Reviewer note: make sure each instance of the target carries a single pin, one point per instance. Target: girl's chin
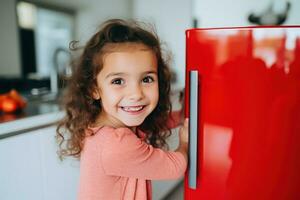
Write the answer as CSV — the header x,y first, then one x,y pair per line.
x,y
133,123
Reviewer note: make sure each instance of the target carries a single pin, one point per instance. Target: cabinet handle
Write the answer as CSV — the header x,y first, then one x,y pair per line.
x,y
193,130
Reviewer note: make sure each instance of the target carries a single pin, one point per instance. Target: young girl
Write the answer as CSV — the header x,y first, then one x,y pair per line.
x,y
117,110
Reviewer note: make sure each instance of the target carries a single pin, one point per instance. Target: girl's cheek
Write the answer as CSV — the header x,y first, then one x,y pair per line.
x,y
113,87
115,90
153,92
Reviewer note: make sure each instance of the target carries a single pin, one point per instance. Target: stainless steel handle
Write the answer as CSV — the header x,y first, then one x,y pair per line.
x,y
193,130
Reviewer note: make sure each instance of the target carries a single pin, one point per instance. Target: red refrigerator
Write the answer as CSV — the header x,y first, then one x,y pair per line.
x,y
243,100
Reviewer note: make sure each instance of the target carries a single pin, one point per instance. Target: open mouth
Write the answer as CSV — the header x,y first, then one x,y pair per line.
x,y
132,109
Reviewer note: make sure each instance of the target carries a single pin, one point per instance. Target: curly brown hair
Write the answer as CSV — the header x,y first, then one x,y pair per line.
x,y
80,106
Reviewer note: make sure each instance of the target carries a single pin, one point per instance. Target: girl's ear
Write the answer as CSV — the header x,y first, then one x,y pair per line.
x,y
96,94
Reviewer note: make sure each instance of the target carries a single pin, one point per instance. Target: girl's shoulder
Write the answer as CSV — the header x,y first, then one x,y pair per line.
x,y
111,139
108,129
107,133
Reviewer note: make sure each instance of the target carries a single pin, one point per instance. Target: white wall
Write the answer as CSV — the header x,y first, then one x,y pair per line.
x,y
223,13
9,40
93,12
171,18
294,17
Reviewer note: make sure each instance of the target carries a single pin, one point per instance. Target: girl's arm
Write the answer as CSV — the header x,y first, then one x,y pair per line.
x,y
124,154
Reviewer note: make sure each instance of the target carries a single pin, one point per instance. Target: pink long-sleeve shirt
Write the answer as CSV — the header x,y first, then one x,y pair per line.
x,y
116,164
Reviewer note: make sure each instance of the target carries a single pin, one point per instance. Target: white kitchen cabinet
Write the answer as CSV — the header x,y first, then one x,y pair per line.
x,y
60,178
20,168
30,168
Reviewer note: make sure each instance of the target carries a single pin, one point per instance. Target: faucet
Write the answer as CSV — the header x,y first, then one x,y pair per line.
x,y
61,65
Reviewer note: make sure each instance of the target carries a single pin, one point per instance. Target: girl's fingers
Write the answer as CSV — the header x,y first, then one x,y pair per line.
x,y
186,122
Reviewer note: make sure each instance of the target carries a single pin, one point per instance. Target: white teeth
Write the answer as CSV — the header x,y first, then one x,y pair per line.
x,y
138,108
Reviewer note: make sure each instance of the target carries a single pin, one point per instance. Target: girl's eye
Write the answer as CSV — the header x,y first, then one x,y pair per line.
x,y
148,79
117,81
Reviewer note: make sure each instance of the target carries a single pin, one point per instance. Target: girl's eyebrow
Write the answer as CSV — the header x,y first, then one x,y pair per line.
x,y
122,73
150,72
114,74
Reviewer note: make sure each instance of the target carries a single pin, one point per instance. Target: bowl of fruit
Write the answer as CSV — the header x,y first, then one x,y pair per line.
x,y
12,102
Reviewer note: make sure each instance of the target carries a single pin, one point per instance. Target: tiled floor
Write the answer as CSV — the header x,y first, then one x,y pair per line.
x,y
177,193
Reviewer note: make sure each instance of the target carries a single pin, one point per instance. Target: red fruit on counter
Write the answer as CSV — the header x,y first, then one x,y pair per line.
x,y
11,101
17,97
2,97
8,105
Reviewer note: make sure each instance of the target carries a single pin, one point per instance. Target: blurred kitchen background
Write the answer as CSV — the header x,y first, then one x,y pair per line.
x,y
35,34
34,56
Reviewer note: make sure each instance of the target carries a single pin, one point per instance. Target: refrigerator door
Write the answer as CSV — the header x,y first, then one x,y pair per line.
x,y
248,113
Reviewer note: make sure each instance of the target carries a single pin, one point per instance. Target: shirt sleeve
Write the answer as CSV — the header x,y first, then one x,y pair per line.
x,y
124,154
89,171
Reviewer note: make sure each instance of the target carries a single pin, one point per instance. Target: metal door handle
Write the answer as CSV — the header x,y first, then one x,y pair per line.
x,y
193,130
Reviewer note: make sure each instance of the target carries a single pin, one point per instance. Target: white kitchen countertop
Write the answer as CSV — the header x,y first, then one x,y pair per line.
x,y
28,123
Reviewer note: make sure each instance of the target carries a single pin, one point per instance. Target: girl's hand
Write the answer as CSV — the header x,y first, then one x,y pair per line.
x,y
184,132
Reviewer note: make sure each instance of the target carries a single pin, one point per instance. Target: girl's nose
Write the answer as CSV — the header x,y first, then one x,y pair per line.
x,y
136,93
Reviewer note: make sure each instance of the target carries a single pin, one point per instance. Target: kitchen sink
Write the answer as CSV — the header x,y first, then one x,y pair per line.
x,y
43,97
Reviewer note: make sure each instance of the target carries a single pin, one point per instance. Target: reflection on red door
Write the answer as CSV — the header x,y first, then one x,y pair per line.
x,y
249,112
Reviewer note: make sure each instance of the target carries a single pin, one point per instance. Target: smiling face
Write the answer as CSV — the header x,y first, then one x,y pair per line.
x,y
127,86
